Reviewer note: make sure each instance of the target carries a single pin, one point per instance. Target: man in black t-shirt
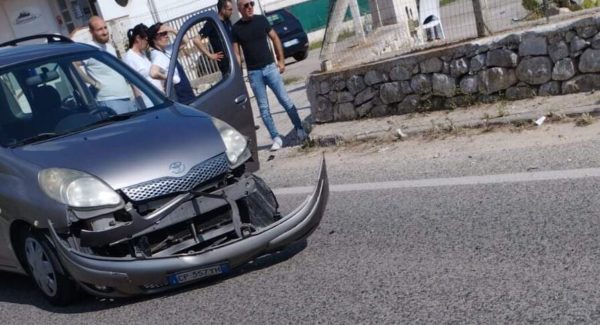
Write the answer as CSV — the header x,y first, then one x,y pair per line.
x,y
224,9
250,33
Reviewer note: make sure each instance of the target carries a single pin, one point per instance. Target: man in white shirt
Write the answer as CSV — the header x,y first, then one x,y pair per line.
x,y
113,90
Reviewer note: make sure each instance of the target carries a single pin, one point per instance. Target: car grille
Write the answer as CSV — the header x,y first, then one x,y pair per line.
x,y
162,186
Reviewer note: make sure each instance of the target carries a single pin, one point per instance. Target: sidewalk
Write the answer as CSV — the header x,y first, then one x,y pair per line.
x,y
392,127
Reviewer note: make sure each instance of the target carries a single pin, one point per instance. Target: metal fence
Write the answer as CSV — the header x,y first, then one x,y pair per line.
x,y
199,69
394,27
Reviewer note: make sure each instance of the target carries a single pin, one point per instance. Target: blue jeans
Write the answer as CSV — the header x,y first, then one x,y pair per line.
x,y
270,76
120,106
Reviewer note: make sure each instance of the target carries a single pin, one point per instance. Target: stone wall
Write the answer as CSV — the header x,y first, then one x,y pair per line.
x,y
548,61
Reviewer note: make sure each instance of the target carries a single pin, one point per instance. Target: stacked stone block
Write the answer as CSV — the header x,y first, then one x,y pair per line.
x,y
518,66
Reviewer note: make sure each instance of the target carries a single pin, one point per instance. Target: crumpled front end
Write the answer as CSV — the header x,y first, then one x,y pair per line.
x,y
157,244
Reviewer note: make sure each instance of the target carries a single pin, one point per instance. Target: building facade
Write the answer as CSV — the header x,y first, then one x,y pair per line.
x,y
20,18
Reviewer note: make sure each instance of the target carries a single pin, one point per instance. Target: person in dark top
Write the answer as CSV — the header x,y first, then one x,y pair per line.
x,y
250,33
210,31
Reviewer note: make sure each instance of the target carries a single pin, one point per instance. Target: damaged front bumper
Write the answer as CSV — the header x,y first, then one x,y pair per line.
x,y
114,277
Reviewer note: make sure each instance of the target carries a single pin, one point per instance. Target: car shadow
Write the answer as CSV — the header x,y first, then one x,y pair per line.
x,y
19,289
291,61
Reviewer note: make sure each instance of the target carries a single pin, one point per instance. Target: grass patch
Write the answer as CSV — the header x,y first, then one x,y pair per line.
x,y
446,2
291,80
556,117
345,35
584,120
443,130
315,45
502,108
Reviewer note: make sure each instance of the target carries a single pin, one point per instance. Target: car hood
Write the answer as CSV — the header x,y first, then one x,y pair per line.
x,y
133,151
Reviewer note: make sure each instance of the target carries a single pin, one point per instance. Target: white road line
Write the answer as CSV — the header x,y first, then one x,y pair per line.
x,y
454,181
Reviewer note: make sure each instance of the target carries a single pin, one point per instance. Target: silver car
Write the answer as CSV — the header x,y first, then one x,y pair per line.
x,y
128,203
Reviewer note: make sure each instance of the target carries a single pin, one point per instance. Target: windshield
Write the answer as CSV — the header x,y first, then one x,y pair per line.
x,y
62,95
275,18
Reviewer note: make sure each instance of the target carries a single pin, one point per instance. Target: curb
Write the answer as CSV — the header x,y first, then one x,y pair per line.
x,y
392,133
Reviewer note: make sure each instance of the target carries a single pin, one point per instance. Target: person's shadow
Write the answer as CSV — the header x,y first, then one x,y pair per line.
x,y
20,289
291,138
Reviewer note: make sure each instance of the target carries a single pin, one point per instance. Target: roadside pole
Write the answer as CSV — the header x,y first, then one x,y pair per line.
x,y
479,18
358,27
332,32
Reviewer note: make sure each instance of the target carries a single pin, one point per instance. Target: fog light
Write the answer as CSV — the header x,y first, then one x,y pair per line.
x,y
102,288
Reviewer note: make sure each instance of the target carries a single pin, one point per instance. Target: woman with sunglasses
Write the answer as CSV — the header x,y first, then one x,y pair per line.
x,y
136,57
160,54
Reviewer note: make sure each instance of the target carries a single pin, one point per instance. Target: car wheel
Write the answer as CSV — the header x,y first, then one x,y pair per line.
x,y
301,55
44,268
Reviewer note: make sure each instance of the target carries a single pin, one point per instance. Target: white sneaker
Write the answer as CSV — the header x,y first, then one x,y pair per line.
x,y
301,134
277,144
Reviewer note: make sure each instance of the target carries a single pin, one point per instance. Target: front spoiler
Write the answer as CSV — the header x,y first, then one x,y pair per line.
x,y
129,276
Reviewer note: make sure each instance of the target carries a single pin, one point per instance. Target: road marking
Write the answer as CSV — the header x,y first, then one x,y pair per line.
x,y
454,181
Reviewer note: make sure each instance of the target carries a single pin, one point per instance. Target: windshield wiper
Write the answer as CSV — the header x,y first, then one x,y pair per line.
x,y
114,118
36,138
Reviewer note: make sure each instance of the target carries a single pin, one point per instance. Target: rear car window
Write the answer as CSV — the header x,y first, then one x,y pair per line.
x,y
275,18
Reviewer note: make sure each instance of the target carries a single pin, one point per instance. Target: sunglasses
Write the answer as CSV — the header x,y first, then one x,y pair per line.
x,y
249,4
162,34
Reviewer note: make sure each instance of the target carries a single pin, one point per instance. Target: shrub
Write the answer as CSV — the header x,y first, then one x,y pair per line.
x,y
587,4
531,5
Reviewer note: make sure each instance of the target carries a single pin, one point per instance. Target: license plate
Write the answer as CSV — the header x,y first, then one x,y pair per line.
x,y
197,274
290,43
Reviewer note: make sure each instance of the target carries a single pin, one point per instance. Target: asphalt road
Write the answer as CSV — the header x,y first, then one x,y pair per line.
x,y
473,229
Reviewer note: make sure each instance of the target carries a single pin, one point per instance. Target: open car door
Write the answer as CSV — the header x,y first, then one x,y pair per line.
x,y
212,86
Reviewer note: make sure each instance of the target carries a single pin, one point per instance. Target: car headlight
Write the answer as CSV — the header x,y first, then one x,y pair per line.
x,y
236,145
76,189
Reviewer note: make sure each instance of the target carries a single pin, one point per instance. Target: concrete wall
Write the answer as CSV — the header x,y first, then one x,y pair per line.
x,y
391,12
140,11
26,17
551,60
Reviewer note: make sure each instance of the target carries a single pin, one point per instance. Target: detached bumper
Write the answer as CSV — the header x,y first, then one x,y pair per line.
x,y
129,276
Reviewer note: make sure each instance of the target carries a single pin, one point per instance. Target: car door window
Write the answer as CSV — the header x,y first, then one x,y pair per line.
x,y
16,100
275,19
202,59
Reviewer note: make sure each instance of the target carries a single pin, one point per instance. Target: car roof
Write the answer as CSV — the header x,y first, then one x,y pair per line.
x,y
278,11
10,55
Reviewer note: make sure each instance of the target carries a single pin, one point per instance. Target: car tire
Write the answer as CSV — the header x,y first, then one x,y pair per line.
x,y
301,55
45,270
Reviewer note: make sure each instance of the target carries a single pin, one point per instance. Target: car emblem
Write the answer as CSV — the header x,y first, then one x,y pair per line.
x,y
177,167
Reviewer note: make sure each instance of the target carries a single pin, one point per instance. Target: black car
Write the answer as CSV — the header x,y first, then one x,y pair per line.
x,y
290,31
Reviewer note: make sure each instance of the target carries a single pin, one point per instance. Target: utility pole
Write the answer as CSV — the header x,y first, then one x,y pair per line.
x,y
332,32
479,18
358,26
153,11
